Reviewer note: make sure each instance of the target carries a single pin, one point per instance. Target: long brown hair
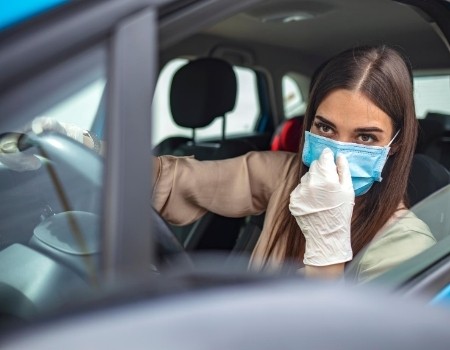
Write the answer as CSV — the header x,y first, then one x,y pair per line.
x,y
383,75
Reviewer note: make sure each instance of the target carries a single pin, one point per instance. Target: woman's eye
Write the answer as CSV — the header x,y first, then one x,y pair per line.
x,y
323,128
366,138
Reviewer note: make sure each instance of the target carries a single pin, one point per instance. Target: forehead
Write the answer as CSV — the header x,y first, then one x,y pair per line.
x,y
345,107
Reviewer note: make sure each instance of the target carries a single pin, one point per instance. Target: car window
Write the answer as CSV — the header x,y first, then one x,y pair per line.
x,y
81,107
293,101
428,224
55,181
432,94
241,120
51,189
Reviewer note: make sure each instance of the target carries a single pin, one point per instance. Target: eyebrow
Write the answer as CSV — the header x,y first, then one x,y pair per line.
x,y
366,129
325,121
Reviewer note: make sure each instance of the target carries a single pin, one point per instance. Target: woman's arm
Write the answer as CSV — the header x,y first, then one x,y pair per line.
x,y
330,271
185,188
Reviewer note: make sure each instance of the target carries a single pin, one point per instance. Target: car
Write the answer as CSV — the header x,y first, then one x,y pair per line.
x,y
77,228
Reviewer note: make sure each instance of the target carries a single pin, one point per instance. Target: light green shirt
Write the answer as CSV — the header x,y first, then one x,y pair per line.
x,y
399,241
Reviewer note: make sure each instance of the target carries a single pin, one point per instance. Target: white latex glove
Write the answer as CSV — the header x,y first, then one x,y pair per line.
x,y
15,160
322,205
41,124
12,158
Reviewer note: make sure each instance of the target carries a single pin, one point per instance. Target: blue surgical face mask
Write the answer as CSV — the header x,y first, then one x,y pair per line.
x,y
366,162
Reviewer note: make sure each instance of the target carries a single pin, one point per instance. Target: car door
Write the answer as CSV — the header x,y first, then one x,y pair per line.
x,y
57,61
92,65
107,34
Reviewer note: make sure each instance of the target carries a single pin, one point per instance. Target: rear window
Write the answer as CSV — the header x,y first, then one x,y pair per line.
x,y
294,103
432,94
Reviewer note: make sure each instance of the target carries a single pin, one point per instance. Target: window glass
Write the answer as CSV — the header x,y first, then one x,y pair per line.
x,y
81,107
50,185
239,121
433,240
293,101
432,94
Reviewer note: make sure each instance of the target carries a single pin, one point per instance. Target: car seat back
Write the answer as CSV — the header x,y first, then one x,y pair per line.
x,y
430,133
202,91
426,177
435,137
287,135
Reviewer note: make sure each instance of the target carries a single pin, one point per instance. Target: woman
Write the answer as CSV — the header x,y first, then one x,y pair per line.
x,y
361,107
337,196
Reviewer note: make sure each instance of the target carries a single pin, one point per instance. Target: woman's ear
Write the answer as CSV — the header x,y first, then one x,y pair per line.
x,y
394,149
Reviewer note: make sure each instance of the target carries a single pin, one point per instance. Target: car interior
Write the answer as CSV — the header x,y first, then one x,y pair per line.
x,y
236,86
280,40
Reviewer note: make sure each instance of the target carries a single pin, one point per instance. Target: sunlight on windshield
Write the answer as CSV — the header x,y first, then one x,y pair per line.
x,y
81,107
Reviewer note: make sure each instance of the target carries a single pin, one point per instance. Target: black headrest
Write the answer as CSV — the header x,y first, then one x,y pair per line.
x,y
441,117
429,130
426,177
202,90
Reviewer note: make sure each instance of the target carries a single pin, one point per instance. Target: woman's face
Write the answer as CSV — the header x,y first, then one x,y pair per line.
x,y
349,116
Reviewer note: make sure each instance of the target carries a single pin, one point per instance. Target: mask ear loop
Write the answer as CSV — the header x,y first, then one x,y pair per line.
x,y
390,142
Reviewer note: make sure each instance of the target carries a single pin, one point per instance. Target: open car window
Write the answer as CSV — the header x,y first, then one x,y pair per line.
x,y
52,213
51,189
431,218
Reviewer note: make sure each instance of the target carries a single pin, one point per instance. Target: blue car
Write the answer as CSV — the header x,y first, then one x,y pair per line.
x,y
84,258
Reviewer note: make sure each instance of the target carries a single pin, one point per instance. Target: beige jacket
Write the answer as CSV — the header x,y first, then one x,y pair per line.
x,y
185,189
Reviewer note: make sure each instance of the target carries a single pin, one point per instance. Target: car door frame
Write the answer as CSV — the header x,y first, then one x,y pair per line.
x,y
72,29
133,32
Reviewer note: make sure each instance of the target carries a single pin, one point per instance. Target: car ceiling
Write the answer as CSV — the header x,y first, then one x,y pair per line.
x,y
336,25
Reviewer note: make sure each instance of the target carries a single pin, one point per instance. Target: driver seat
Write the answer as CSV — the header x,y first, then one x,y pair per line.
x,y
202,91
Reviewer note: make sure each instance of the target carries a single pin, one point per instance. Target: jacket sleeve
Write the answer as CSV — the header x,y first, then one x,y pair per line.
x,y
186,188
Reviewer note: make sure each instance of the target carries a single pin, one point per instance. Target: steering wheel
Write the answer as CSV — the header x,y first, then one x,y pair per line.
x,y
169,251
65,156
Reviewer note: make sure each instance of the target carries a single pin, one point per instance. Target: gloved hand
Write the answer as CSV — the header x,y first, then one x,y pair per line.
x,y
41,124
14,159
322,205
